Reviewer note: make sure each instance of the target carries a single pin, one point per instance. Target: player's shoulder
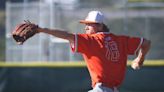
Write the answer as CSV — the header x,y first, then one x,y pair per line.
x,y
84,36
119,35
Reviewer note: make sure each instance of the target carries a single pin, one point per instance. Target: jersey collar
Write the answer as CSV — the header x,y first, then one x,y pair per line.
x,y
103,33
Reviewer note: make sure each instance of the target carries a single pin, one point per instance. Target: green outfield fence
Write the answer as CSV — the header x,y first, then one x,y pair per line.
x,y
74,77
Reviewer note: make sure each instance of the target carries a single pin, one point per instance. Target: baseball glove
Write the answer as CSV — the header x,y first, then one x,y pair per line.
x,y
24,31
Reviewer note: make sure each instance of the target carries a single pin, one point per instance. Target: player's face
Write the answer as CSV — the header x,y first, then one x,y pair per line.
x,y
91,28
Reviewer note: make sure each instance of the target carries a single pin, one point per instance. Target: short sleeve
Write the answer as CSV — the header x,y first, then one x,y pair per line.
x,y
133,45
81,43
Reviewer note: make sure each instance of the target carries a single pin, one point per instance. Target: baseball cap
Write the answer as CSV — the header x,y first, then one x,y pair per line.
x,y
93,17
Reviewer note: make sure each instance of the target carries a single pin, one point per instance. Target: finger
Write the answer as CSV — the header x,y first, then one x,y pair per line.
x,y
25,31
18,32
29,30
16,28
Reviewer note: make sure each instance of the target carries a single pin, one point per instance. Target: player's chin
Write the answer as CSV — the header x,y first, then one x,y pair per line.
x,y
89,32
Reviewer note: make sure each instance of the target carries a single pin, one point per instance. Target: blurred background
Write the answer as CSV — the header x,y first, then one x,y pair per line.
x,y
46,63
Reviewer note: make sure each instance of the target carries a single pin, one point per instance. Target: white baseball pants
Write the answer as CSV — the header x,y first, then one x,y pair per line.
x,y
100,88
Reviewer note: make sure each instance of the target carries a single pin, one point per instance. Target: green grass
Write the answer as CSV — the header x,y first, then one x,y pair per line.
x,y
67,64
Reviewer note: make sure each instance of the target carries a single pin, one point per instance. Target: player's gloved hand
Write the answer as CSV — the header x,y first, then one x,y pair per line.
x,y
136,64
24,31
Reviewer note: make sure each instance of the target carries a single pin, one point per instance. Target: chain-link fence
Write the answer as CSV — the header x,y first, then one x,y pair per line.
x,y
135,19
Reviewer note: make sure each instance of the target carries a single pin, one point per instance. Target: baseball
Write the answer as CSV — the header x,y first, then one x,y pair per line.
x,y
135,66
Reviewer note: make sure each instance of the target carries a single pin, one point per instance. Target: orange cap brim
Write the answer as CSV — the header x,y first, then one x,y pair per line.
x,y
87,22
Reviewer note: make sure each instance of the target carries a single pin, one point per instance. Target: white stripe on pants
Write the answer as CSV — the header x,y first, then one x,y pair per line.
x,y
99,88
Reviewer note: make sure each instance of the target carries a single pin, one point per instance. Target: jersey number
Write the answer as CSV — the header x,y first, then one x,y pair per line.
x,y
112,52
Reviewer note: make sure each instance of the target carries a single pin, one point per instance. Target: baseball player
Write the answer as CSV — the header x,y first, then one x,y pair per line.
x,y
105,53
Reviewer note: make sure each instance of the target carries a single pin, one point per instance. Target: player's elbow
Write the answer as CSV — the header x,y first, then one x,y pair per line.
x,y
146,45
70,37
